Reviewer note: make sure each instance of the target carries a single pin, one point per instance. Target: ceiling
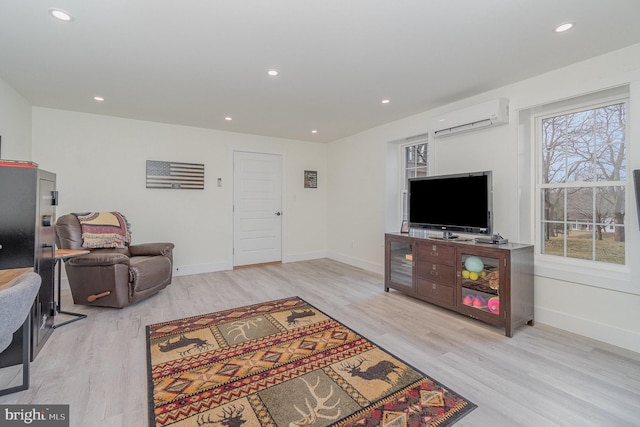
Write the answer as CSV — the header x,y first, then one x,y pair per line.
x,y
195,62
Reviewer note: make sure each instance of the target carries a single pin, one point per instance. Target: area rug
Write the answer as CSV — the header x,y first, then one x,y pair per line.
x,y
285,363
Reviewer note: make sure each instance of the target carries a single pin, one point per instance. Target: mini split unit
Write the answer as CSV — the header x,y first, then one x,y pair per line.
x,y
490,113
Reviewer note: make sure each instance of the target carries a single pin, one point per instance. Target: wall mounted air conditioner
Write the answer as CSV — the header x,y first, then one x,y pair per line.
x,y
490,113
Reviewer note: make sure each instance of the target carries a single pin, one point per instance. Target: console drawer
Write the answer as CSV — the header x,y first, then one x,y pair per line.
x,y
435,292
436,272
434,252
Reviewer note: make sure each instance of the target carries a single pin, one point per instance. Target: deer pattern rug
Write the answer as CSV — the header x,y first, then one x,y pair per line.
x,y
284,363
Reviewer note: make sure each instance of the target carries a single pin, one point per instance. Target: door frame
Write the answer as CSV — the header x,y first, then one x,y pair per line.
x,y
283,194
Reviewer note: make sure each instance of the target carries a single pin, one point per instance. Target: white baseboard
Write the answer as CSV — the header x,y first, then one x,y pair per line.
x,y
365,265
588,328
304,256
186,270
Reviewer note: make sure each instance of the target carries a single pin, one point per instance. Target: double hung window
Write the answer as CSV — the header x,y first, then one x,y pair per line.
x,y
415,164
582,182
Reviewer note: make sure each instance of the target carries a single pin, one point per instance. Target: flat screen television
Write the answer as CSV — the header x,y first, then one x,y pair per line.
x,y
452,203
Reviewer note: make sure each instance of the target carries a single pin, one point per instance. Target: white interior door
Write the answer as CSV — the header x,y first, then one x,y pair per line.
x,y
257,212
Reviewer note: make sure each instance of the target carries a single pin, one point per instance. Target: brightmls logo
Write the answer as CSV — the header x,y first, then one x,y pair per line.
x,y
34,415
27,416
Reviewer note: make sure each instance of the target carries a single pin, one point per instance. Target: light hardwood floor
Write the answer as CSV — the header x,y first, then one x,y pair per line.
x,y
540,377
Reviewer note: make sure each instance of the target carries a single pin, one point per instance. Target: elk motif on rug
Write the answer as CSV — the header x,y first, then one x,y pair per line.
x,y
240,328
379,371
284,363
195,345
292,319
315,411
228,417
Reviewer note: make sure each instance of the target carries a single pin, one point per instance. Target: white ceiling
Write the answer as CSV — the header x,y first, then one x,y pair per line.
x,y
193,62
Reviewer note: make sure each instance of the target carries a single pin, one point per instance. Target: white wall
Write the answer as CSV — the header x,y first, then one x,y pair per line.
x,y
100,163
355,199
356,190
15,124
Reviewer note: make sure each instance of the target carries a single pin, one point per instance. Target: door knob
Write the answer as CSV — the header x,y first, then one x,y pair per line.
x,y
278,213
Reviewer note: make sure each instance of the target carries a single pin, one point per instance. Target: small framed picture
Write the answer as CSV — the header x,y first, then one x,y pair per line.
x,y
404,228
310,179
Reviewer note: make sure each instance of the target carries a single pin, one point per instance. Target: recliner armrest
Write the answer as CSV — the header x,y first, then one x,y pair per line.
x,y
149,249
99,258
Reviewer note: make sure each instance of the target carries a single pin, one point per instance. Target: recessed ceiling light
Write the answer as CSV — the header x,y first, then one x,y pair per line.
x,y
564,27
314,131
228,118
273,73
385,101
61,15
98,98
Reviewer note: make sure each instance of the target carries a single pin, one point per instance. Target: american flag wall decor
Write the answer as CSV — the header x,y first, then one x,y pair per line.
x,y
174,175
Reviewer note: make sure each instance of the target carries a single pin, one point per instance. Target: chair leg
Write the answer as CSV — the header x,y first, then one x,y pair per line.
x,y
26,329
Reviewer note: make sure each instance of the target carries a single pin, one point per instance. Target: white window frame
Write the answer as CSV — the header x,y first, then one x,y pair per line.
x,y
402,180
594,273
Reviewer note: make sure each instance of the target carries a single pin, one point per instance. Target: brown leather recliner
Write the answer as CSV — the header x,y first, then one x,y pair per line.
x,y
129,275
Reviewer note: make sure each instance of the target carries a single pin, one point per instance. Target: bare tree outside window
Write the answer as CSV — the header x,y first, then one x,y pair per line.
x,y
416,164
415,161
583,184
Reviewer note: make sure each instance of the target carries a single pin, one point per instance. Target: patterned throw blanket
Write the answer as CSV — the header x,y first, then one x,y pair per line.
x,y
104,230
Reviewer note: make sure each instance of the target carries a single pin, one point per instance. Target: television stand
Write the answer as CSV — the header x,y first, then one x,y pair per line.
x,y
490,283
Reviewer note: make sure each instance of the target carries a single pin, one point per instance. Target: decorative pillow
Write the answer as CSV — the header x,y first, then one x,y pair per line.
x,y
104,230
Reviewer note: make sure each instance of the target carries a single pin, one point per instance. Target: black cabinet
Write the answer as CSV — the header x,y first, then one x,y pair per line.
x,y
27,239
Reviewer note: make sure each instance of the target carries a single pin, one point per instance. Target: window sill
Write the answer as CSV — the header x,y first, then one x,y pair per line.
x,y
611,277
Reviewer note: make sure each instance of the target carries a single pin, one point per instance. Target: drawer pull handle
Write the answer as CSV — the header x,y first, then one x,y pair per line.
x,y
434,273
434,253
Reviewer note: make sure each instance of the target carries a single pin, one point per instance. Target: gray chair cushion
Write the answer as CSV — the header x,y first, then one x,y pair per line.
x,y
16,301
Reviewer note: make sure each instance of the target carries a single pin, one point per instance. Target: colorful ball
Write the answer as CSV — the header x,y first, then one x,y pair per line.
x,y
479,302
468,300
494,305
474,264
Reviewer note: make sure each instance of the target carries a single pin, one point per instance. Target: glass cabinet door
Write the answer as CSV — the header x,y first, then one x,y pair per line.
x,y
481,285
401,265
